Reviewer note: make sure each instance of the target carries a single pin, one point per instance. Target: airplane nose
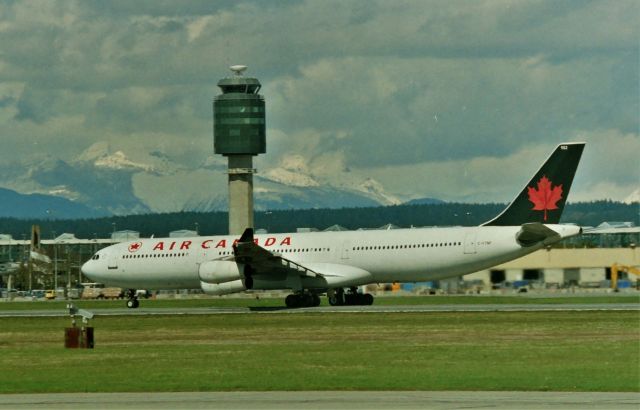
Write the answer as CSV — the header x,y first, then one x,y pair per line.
x,y
90,270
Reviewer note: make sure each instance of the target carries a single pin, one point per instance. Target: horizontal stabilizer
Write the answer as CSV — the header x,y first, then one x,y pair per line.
x,y
533,233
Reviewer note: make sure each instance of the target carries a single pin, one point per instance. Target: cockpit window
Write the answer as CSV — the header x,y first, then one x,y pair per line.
x,y
96,257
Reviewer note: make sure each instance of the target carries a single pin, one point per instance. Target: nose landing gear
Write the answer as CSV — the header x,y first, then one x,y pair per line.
x,y
132,299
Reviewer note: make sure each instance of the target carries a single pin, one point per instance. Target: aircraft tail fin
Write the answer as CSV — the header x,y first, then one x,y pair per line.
x,y
542,200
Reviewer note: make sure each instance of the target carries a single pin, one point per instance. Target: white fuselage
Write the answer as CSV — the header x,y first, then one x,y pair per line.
x,y
399,255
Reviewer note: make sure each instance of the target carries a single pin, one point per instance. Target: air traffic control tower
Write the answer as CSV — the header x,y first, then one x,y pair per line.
x,y
239,134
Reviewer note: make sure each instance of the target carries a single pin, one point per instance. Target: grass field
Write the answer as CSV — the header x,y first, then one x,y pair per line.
x,y
273,302
555,351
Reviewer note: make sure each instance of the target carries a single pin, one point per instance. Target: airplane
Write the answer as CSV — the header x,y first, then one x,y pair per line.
x,y
312,264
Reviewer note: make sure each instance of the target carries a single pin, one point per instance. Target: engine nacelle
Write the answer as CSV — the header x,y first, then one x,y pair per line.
x,y
222,288
220,271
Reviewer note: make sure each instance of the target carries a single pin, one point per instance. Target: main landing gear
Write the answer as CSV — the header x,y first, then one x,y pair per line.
x,y
339,298
132,299
302,299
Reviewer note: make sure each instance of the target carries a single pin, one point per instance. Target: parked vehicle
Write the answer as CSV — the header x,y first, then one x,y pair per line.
x,y
38,293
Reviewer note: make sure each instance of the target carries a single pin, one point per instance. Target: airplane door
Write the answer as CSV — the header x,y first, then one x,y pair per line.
x,y
346,245
470,242
113,262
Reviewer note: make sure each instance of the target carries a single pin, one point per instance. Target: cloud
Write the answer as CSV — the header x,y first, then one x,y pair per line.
x,y
610,166
373,87
447,109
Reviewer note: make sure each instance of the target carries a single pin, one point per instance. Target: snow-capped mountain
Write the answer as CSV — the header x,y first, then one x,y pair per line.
x,y
375,190
119,161
110,182
103,189
633,197
101,156
293,171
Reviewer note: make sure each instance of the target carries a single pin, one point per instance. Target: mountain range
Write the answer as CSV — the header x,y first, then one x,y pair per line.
x,y
102,182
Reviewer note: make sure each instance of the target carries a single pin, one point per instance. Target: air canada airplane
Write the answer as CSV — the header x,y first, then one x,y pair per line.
x,y
336,263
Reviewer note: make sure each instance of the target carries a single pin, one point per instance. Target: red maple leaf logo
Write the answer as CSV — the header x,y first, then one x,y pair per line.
x,y
135,246
545,197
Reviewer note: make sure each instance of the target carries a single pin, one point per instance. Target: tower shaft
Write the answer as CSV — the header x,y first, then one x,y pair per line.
x,y
240,193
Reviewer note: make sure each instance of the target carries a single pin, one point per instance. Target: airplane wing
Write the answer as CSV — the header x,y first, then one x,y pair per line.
x,y
262,261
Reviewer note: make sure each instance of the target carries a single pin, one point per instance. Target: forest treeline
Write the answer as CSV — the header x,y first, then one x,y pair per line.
x,y
215,223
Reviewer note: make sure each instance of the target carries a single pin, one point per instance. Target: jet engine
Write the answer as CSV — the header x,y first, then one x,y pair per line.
x,y
222,288
215,272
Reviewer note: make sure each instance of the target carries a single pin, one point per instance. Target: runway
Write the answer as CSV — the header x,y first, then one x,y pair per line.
x,y
142,311
325,400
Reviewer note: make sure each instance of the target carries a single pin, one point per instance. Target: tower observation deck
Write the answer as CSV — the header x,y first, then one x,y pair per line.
x,y
239,134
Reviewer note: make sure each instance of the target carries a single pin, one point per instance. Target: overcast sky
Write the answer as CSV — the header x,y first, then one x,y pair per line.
x,y
467,96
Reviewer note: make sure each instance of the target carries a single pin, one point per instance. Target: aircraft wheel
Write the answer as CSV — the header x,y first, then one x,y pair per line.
x,y
336,298
316,300
351,299
292,301
367,299
133,303
306,300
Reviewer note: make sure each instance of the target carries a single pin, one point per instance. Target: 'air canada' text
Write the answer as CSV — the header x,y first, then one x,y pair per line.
x,y
213,244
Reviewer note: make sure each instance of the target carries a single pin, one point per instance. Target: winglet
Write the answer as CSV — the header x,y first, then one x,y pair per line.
x,y
543,198
247,236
